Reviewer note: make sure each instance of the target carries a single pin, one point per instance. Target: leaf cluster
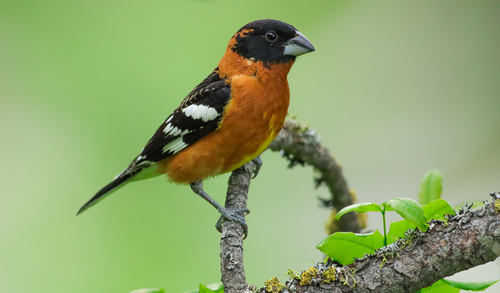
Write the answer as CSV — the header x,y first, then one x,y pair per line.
x,y
344,247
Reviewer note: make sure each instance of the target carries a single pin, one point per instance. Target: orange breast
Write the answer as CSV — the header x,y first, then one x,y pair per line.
x,y
252,119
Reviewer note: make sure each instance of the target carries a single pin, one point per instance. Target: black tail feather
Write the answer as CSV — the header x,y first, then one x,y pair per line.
x,y
105,191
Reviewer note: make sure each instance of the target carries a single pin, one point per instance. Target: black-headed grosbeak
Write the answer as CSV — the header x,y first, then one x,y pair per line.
x,y
227,120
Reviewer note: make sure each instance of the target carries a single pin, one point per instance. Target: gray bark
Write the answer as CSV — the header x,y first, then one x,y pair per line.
x,y
232,269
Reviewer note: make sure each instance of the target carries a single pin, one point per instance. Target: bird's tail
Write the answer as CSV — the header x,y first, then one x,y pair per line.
x,y
118,182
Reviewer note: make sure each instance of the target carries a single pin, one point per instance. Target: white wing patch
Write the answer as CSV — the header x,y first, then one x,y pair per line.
x,y
175,146
171,130
188,111
168,128
202,112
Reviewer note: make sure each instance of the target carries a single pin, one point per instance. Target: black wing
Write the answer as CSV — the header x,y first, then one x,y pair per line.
x,y
198,115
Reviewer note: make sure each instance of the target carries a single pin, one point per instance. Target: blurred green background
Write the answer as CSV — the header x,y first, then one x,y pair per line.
x,y
395,88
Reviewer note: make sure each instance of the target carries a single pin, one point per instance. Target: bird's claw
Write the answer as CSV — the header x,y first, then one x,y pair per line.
x,y
237,216
258,165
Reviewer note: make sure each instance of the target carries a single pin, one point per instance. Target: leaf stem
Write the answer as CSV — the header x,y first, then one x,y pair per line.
x,y
385,232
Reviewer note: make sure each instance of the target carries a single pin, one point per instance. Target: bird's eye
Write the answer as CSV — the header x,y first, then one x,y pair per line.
x,y
271,36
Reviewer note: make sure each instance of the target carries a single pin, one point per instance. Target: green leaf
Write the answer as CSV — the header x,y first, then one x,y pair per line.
x,y
398,230
409,209
360,208
470,286
437,209
440,287
430,187
345,246
149,290
211,288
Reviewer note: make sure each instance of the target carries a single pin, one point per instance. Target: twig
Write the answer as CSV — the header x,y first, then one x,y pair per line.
x,y
301,144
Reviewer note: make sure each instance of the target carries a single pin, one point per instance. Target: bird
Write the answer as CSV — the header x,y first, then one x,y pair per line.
x,y
227,120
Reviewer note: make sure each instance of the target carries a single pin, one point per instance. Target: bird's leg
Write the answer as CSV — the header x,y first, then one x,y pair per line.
x,y
258,164
232,215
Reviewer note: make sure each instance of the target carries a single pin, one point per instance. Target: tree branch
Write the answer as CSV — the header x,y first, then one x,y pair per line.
x,y
232,269
469,239
303,145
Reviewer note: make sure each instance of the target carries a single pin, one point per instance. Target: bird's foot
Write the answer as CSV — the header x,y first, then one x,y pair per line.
x,y
237,216
258,165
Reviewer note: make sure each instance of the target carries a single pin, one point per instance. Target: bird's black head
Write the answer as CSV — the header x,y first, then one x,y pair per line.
x,y
270,41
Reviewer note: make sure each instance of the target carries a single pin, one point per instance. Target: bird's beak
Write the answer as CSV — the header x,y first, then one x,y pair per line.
x,y
298,46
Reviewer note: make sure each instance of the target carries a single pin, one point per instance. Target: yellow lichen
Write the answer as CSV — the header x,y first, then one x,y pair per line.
x,y
354,196
273,285
308,275
362,220
329,275
331,225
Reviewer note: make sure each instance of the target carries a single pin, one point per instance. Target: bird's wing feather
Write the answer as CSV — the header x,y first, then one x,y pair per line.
x,y
198,115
